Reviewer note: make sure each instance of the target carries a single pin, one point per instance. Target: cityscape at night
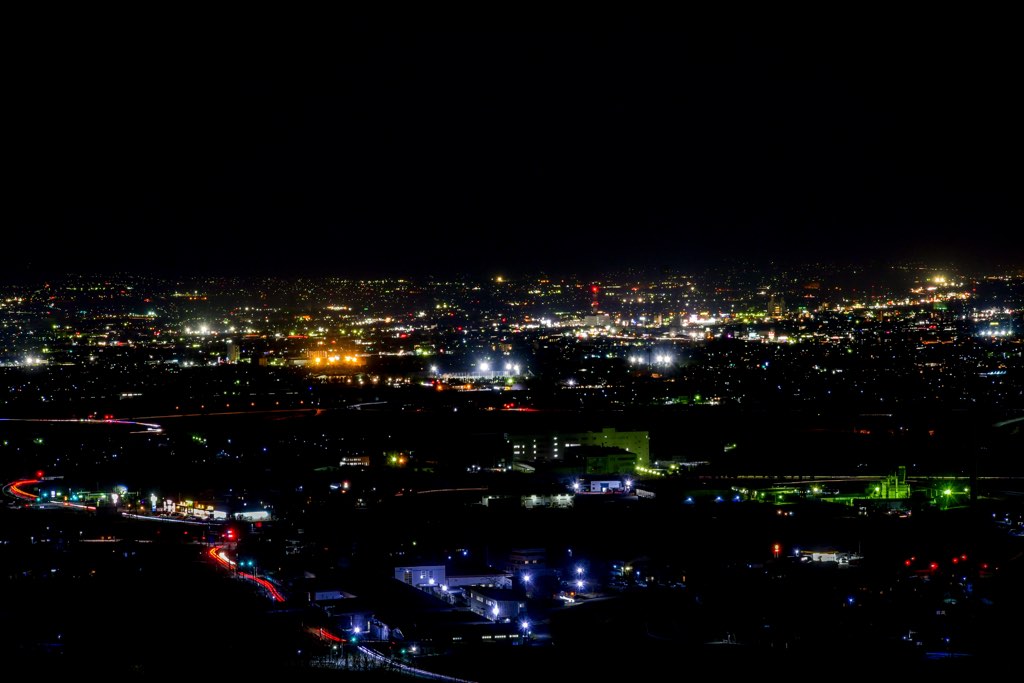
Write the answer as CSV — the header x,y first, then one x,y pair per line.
x,y
417,467
476,357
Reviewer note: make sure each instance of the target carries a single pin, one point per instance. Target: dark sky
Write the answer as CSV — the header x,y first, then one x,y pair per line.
x,y
359,150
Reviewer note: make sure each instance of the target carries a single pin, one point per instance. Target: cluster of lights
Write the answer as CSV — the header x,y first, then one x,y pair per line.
x,y
658,359
331,360
485,366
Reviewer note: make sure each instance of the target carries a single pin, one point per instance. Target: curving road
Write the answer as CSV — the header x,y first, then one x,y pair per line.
x,y
217,554
15,490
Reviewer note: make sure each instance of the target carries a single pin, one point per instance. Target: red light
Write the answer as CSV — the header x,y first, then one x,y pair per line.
x,y
259,524
933,565
956,560
907,562
39,474
963,557
594,289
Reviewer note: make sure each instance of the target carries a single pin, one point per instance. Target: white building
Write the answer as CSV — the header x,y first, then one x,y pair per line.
x,y
422,575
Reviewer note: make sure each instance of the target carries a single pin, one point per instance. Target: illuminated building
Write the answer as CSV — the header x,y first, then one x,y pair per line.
x,y
496,604
526,561
551,446
422,575
233,352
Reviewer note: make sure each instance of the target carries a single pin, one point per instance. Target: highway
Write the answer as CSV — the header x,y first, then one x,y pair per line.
x,y
15,490
219,555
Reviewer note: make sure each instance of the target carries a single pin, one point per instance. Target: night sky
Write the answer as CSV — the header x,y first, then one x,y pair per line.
x,y
355,150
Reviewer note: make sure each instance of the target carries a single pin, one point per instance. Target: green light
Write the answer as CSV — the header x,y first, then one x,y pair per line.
x,y
948,492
